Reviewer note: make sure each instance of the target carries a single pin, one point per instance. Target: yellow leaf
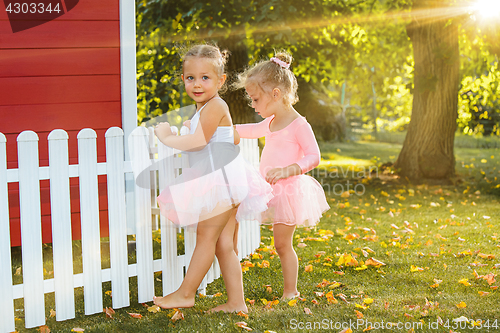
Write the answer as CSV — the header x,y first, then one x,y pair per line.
x,y
361,268
483,293
292,302
308,268
52,313
335,285
368,300
154,309
361,306
461,305
414,268
465,282
264,301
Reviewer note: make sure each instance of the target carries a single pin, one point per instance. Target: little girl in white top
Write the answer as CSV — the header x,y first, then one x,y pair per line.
x,y
217,183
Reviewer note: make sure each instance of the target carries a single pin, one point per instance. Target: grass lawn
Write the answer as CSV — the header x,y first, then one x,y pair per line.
x,y
388,254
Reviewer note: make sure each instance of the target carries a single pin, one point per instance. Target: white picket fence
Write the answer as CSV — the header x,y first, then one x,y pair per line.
x,y
147,153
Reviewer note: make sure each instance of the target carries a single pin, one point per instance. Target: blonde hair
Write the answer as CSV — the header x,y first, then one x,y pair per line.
x,y
207,51
268,75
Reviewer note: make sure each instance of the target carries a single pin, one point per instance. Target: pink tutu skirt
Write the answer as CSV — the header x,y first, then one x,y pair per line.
x,y
298,200
218,177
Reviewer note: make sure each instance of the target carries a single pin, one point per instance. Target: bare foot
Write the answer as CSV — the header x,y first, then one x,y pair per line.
x,y
173,300
290,296
230,308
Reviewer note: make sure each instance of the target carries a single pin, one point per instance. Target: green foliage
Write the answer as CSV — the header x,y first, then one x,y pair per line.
x,y
353,58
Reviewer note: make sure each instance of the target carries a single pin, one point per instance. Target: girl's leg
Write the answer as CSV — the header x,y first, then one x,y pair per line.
x,y
235,236
207,233
283,238
231,269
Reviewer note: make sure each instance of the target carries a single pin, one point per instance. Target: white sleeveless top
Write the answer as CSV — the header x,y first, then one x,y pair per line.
x,y
222,133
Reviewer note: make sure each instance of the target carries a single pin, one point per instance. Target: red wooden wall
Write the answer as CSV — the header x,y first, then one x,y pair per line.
x,y
63,74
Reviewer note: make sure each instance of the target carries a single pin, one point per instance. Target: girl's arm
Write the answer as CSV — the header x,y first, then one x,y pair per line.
x,y
309,145
210,118
253,131
236,136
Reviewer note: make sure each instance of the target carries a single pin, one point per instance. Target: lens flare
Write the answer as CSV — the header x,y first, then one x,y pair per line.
x,y
487,8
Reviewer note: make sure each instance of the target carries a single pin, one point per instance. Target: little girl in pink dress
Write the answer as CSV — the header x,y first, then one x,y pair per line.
x,y
290,151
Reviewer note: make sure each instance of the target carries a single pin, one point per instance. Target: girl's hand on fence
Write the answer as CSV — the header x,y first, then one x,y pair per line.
x,y
162,130
187,123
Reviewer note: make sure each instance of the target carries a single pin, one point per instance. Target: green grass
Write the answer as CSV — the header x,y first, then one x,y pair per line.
x,y
442,230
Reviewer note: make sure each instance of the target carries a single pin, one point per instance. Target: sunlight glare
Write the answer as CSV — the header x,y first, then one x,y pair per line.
x,y
487,8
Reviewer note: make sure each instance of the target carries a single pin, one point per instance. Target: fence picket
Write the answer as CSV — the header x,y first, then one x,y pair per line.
x,y
117,218
31,229
139,146
89,212
61,225
171,269
7,323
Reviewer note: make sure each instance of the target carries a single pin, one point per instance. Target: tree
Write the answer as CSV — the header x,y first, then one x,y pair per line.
x,y
428,151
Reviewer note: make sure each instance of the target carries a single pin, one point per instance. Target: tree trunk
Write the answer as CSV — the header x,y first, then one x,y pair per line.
x,y
427,151
239,108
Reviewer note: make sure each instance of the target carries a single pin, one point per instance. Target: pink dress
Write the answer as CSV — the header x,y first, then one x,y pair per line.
x,y
298,200
218,176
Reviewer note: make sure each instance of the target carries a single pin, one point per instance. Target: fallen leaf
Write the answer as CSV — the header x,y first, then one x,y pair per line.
x,y
242,324
347,330
178,315
292,302
77,329
368,300
465,282
490,278
135,315
483,293
374,262
461,305
308,311
154,309
242,314
414,268
359,314
52,313
44,329
461,319
308,268
109,312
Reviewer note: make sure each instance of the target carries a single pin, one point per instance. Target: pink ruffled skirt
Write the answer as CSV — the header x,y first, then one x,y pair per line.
x,y
218,177
298,200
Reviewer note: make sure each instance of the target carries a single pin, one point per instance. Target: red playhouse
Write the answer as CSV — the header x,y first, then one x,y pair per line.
x,y
75,69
